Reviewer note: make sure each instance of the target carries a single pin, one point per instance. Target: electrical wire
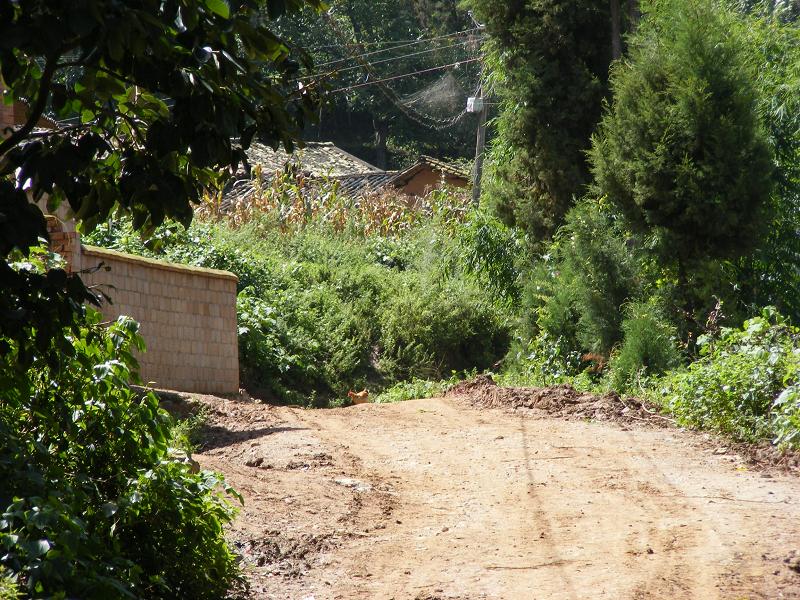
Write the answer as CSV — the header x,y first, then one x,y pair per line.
x,y
404,75
383,61
381,43
441,37
410,112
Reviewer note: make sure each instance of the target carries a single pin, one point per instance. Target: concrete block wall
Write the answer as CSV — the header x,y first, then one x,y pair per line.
x,y
15,114
187,314
187,317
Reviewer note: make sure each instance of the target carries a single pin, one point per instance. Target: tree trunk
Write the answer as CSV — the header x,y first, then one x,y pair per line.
x,y
634,14
616,30
381,133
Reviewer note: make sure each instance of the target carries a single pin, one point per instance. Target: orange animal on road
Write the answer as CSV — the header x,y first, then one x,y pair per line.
x,y
361,397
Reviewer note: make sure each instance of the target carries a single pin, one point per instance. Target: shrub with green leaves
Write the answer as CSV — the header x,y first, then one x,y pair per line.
x,y
745,383
92,503
576,292
770,275
540,361
417,388
323,310
648,348
429,330
491,252
8,587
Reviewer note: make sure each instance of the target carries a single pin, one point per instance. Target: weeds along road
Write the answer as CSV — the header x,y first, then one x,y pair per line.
x,y
434,499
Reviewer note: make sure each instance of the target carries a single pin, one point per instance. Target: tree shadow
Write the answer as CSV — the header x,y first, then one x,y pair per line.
x,y
213,436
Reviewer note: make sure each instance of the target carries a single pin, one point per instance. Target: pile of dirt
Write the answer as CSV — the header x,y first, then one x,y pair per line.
x,y
279,554
561,401
564,401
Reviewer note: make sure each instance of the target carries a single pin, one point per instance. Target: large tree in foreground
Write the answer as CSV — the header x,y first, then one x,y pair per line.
x,y
160,98
681,151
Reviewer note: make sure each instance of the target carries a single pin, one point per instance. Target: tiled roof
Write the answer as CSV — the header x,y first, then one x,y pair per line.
x,y
318,159
362,183
432,163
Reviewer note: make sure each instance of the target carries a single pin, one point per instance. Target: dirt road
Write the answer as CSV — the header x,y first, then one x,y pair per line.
x,y
434,499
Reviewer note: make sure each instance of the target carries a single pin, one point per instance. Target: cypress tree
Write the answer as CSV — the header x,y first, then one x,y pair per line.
x,y
549,63
681,151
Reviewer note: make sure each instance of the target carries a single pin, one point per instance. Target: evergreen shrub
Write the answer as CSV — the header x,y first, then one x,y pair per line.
x,y
681,150
649,347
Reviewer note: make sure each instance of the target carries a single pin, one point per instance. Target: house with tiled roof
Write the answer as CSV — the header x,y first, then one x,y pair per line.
x,y
316,160
429,173
356,178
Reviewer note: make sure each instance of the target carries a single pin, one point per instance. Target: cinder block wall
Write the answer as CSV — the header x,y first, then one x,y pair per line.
x,y
187,314
7,116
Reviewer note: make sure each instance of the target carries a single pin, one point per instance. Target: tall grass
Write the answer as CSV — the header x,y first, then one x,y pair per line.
x,y
339,293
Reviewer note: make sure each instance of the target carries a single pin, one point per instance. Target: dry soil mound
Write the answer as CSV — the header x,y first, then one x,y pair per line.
x,y
562,401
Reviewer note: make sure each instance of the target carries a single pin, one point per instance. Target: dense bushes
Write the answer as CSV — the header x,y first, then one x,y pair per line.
x,y
698,149
323,308
428,330
745,384
94,505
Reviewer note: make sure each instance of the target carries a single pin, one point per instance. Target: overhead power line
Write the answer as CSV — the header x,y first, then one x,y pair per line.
x,y
391,95
419,40
441,37
380,62
403,76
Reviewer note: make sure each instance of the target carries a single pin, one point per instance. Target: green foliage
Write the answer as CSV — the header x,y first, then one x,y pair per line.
x,y
680,151
648,349
417,389
8,587
540,361
591,270
323,309
769,276
745,383
428,330
110,65
92,503
549,66
491,252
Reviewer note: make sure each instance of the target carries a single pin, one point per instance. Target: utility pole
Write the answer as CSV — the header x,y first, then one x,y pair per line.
x,y
481,106
480,146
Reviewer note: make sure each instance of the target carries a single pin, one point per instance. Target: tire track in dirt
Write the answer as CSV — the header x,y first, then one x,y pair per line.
x,y
434,499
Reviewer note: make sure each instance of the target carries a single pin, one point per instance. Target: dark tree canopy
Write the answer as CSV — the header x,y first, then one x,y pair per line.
x,y
390,125
549,64
681,151
160,99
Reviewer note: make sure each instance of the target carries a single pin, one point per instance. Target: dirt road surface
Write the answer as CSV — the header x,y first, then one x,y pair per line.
x,y
435,499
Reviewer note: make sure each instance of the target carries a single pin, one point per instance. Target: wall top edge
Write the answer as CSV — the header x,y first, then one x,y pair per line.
x,y
101,253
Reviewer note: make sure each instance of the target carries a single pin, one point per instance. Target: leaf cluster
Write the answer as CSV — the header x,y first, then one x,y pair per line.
x,y
161,97
745,384
92,504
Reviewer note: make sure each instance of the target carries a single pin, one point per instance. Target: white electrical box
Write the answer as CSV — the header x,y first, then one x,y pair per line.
x,y
474,105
